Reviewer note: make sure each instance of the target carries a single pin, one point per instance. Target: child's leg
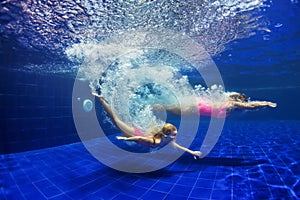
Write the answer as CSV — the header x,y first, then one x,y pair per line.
x,y
127,130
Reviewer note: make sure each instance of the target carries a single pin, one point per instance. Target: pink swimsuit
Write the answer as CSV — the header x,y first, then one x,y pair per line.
x,y
207,110
137,132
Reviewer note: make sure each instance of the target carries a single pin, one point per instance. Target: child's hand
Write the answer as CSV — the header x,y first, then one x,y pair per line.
x,y
197,154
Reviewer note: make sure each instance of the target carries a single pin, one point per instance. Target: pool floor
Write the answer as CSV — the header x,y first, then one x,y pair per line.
x,y
252,160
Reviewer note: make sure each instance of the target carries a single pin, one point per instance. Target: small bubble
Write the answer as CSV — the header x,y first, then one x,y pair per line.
x,y
226,13
278,25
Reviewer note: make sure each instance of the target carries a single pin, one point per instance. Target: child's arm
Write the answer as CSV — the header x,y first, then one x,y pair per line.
x,y
194,153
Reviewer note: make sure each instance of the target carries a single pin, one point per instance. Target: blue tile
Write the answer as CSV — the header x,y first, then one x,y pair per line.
x,y
35,195
209,169
129,179
201,193
120,185
7,179
13,193
64,185
104,193
61,197
95,185
50,191
153,195
162,187
43,183
209,176
183,191
123,197
261,194
171,178
222,194
79,181
77,193
145,183
175,197
21,179
2,194
282,193
205,183
28,188
187,181
136,191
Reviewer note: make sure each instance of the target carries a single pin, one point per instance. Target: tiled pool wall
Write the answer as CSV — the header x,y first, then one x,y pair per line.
x,y
36,111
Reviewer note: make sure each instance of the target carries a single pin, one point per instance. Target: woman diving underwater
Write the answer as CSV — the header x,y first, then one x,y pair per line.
x,y
235,101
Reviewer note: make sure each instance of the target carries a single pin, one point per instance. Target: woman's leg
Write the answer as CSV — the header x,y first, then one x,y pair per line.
x,y
158,108
184,110
127,130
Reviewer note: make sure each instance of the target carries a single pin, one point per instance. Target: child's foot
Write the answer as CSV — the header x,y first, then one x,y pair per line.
x,y
97,95
121,138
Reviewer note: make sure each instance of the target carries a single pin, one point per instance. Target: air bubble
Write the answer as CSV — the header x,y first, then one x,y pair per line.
x,y
87,105
278,25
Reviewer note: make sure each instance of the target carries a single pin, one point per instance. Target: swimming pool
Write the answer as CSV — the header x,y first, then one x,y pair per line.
x,y
257,154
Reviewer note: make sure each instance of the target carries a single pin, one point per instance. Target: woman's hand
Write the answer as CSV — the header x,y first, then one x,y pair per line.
x,y
197,154
273,105
267,103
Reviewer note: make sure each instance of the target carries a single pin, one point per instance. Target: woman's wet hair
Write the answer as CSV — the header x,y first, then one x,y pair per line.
x,y
239,97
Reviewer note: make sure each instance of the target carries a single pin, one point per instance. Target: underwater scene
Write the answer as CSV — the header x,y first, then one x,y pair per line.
x,y
147,99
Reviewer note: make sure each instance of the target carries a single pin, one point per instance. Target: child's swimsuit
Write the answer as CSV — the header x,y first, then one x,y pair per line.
x,y
164,140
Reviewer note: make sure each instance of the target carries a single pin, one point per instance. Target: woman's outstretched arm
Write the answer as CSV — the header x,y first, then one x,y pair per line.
x,y
194,153
127,130
254,104
263,104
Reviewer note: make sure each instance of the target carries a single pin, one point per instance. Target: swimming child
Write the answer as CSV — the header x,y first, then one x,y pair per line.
x,y
152,139
235,101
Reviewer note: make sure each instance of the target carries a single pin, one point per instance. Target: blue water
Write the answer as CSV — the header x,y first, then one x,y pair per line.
x,y
257,52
